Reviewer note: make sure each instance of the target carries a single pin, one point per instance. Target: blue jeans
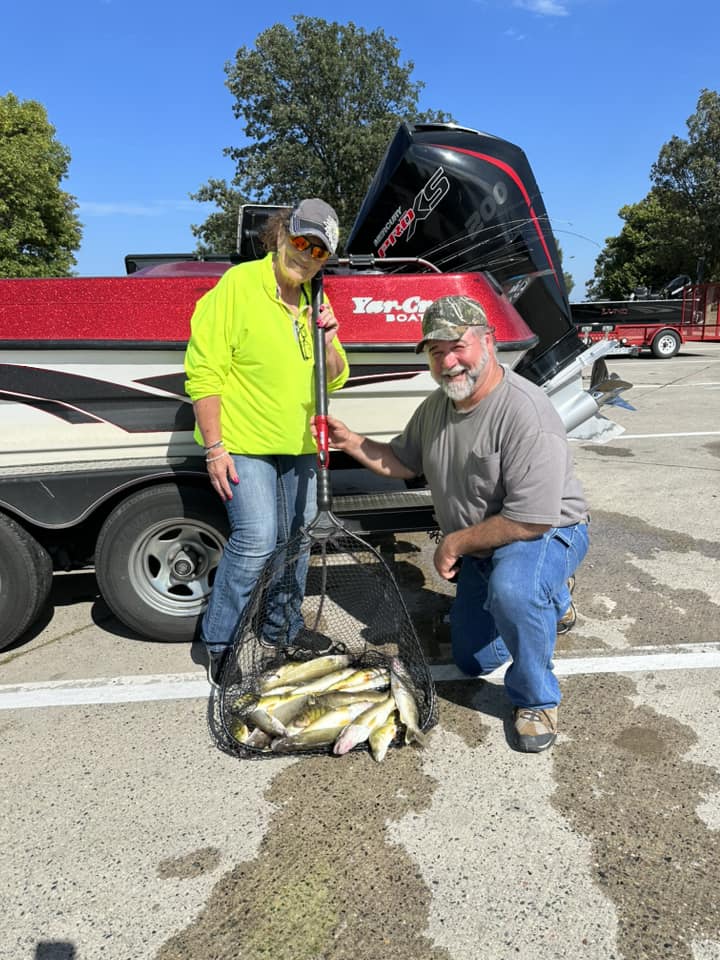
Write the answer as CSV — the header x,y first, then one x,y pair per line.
x,y
507,607
275,497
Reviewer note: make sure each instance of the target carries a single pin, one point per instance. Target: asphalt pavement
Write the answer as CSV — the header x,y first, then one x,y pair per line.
x,y
129,835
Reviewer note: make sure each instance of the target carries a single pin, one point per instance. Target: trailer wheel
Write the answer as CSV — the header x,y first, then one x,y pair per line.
x,y
156,557
25,580
665,344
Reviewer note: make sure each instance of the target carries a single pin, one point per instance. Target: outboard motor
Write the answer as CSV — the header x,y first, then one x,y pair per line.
x,y
468,201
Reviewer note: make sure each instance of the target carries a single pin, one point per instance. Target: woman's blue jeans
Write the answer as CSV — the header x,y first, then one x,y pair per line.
x,y
508,606
275,497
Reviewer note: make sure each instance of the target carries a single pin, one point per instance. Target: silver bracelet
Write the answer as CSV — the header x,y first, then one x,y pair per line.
x,y
219,457
213,446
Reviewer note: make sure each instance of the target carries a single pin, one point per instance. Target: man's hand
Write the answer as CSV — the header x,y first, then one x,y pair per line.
x,y
447,559
338,433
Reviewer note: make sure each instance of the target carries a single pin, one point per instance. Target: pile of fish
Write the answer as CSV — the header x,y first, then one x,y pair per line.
x,y
328,702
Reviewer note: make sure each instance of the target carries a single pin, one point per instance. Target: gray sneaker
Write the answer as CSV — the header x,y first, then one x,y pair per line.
x,y
216,661
535,730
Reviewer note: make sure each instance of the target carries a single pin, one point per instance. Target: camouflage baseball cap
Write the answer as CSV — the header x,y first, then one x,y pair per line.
x,y
449,317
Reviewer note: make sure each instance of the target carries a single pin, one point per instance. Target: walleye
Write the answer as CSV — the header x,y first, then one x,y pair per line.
x,y
401,687
300,672
381,737
251,738
361,728
371,679
303,740
267,722
327,703
324,682
341,698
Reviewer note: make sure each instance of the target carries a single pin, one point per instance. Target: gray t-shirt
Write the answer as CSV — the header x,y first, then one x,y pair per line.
x,y
508,455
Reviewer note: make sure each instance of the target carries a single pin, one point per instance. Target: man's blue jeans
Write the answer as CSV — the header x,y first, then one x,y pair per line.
x,y
507,607
275,497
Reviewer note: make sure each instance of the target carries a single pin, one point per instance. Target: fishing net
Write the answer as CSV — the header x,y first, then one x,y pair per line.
x,y
324,592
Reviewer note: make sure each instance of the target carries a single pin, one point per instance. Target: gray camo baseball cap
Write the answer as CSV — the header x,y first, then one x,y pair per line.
x,y
315,218
449,317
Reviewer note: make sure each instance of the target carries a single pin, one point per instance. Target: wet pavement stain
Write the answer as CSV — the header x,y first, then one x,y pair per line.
x,y
191,865
609,451
623,784
326,884
644,612
713,448
660,613
463,704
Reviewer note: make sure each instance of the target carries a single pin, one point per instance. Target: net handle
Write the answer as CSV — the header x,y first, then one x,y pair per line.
x,y
324,493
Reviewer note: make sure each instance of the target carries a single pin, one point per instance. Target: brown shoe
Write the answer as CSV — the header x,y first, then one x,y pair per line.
x,y
535,730
567,621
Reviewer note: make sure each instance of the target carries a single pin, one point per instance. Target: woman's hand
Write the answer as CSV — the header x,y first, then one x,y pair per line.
x,y
328,321
221,471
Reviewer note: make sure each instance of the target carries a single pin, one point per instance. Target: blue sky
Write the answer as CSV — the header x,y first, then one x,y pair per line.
x,y
590,89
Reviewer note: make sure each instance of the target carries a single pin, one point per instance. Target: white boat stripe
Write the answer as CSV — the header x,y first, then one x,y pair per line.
x,y
188,686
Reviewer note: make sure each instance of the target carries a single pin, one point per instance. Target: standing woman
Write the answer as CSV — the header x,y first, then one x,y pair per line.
x,y
250,368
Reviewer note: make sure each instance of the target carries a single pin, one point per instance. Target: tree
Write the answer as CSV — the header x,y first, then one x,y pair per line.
x,y
567,277
320,102
39,229
670,229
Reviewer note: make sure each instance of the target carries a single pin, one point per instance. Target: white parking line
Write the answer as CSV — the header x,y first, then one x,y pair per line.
x,y
188,686
652,436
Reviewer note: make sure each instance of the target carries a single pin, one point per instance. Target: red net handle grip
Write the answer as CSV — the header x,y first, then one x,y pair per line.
x,y
322,440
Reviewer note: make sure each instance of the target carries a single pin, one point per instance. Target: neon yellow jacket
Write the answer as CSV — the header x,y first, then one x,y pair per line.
x,y
243,348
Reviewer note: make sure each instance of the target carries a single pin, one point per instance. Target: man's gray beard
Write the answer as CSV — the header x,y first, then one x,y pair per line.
x,y
464,389
461,390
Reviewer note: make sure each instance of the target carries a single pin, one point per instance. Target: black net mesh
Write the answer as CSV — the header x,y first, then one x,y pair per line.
x,y
325,592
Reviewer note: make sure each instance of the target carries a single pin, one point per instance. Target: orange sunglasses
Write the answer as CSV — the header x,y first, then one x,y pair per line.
x,y
303,244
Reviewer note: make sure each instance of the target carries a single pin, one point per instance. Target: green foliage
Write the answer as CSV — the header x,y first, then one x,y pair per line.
x,y
320,102
670,229
567,277
39,229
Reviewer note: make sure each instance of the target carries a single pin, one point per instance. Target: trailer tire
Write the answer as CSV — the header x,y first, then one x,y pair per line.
x,y
25,580
156,557
665,344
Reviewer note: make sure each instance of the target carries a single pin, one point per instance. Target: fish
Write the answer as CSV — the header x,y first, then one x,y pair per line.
x,y
341,698
242,703
303,740
251,738
323,683
239,731
401,687
301,671
381,737
318,716
372,678
285,707
360,729
267,722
